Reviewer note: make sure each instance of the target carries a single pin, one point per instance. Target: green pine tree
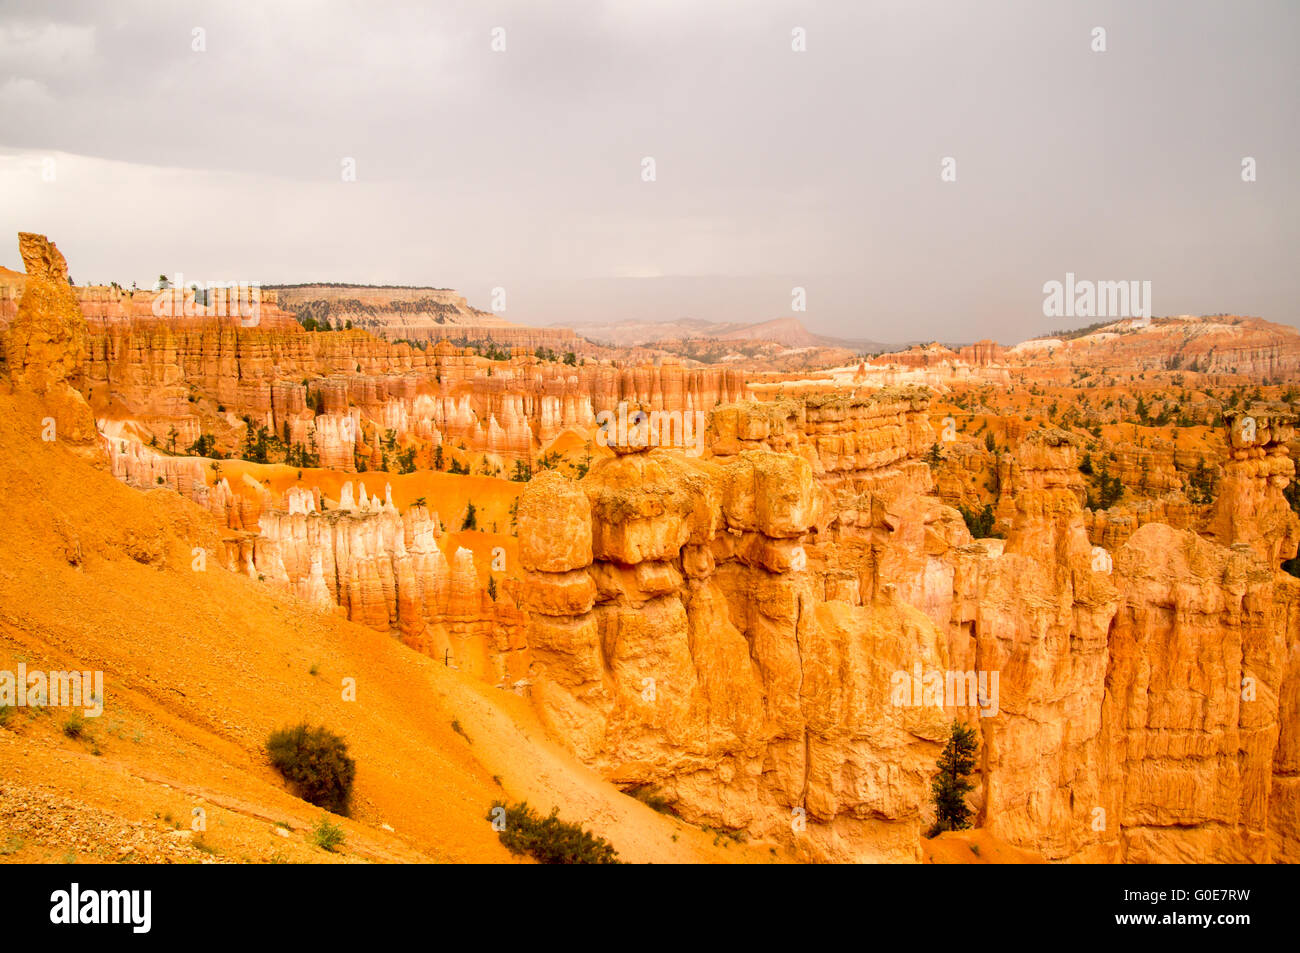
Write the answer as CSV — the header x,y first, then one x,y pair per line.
x,y
952,783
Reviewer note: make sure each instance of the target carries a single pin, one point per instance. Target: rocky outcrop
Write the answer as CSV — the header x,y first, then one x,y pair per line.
x,y
1199,684
982,353
45,344
703,647
1035,609
690,649
1250,507
1112,528
846,440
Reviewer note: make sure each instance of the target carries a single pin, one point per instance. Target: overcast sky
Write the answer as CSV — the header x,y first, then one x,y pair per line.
x,y
775,168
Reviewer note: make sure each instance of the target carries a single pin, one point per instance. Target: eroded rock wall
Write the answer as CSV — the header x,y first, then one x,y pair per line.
x,y
729,631
156,372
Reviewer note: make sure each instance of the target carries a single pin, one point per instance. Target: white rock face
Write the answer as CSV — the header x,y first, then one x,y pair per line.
x,y
299,501
384,568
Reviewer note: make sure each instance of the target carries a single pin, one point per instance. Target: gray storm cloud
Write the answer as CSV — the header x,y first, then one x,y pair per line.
x,y
774,168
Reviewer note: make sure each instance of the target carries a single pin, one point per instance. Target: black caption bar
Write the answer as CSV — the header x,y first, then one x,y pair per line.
x,y
143,904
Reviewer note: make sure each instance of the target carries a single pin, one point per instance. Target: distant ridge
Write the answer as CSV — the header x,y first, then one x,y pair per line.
x,y
344,284
788,332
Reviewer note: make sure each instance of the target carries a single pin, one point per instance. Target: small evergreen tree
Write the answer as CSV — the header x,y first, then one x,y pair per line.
x,y
952,783
1109,490
471,517
1202,484
1292,495
980,523
204,446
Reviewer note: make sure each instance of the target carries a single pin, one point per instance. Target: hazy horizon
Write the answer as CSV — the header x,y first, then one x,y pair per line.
x,y
775,169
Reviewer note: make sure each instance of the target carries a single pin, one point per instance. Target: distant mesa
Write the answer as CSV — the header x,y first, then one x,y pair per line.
x,y
413,314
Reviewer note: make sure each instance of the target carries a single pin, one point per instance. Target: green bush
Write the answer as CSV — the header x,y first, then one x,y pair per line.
x,y
548,839
315,762
327,836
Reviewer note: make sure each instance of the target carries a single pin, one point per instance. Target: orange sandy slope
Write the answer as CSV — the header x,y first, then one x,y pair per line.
x,y
974,847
